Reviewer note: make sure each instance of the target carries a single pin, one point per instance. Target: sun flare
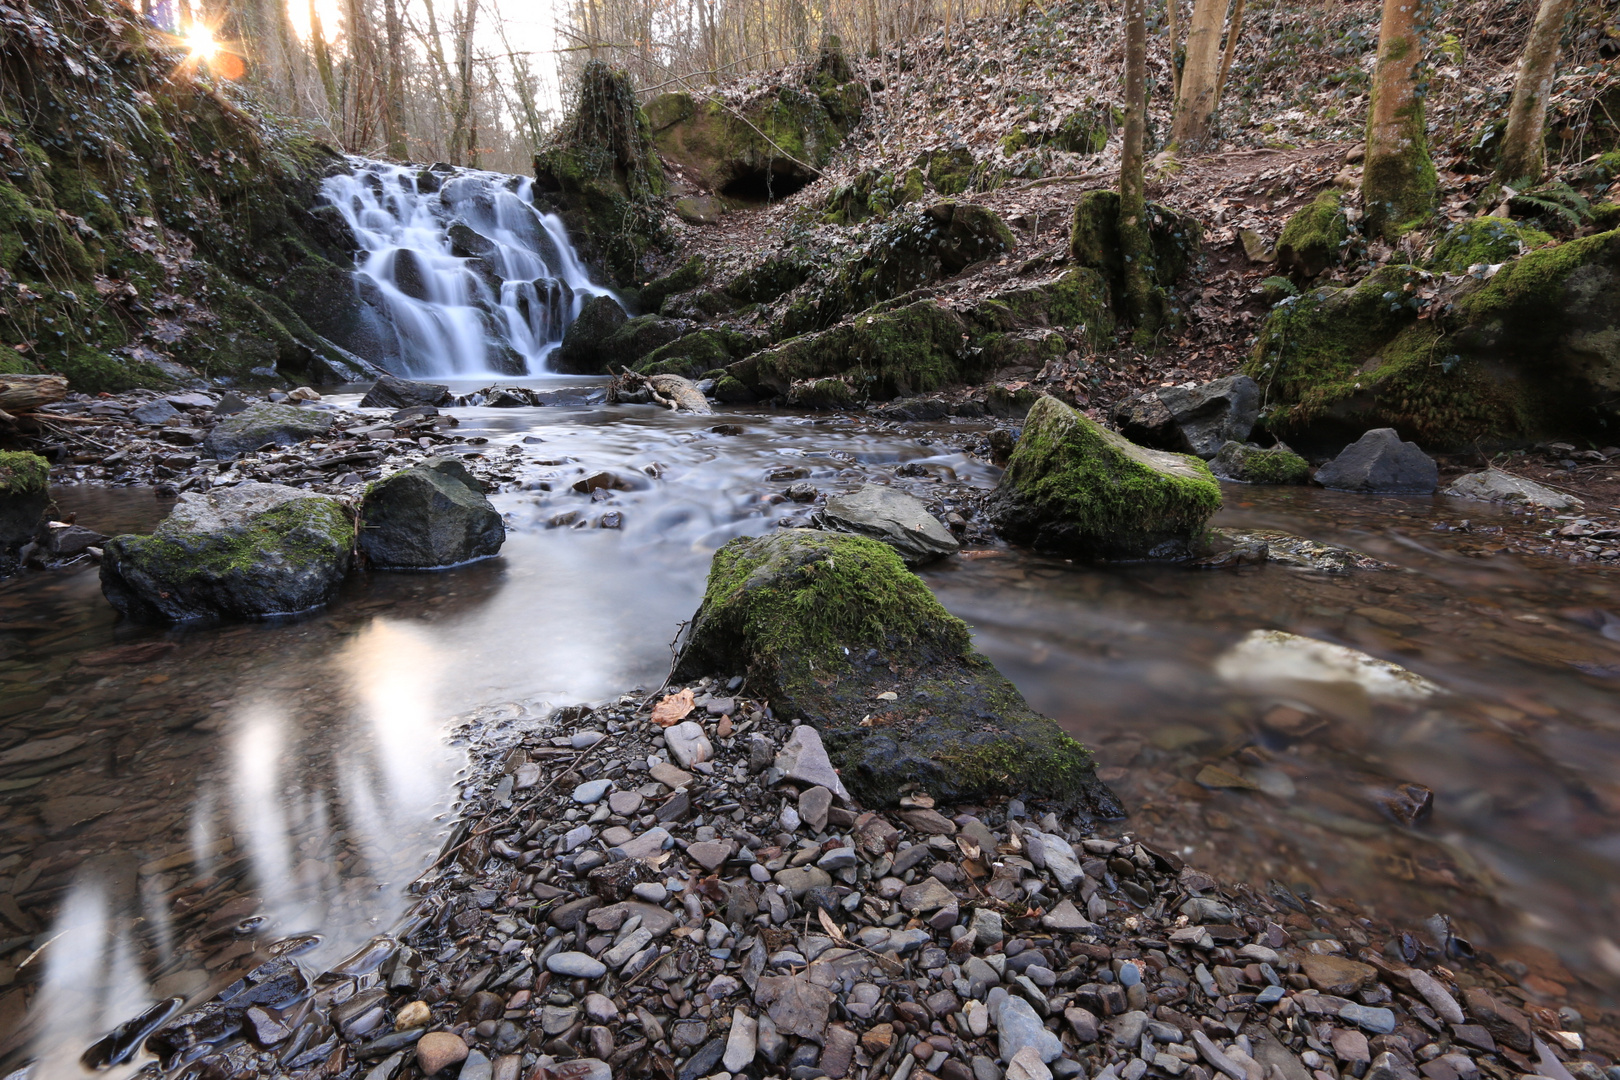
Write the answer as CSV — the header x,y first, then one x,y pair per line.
x,y
201,43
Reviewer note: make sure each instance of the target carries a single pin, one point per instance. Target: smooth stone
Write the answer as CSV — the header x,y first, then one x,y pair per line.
x,y
669,775
575,965
814,805
710,854
1018,1026
574,837
1027,1065
625,803
1065,916
584,740
1054,854
1378,1021
438,1050
894,517
688,745
650,891
927,895
477,1067
1493,485
645,846
742,1042
1440,1000
804,759
591,791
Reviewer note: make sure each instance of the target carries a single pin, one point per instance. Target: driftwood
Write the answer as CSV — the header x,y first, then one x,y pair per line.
x,y
670,391
19,393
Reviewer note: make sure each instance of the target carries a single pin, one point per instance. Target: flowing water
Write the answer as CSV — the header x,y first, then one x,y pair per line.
x,y
174,801
459,272
173,797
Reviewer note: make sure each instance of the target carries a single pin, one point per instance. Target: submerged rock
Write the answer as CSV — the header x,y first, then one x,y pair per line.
x,y
244,552
1249,464
1192,419
900,520
1072,487
390,392
263,425
1278,663
25,494
1494,485
834,629
1380,462
429,517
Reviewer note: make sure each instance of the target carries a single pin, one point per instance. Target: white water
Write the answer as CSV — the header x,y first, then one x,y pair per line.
x,y
450,310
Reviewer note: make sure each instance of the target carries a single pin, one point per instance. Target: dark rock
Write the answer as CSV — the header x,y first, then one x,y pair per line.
x,y
248,551
154,412
900,520
581,351
427,517
262,425
1075,488
389,392
1380,462
24,497
1191,420
1249,464
821,622
466,242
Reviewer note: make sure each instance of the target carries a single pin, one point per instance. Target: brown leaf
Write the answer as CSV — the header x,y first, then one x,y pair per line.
x,y
797,1006
673,709
831,927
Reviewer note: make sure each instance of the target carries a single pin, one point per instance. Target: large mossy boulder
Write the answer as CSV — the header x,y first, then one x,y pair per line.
x,y
429,517
1074,488
581,351
834,630
1246,463
1094,240
602,176
637,337
1311,239
265,424
1484,241
769,146
25,495
244,552
1531,351
692,354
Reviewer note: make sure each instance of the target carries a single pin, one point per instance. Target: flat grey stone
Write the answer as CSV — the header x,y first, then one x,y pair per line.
x,y
888,514
688,745
591,791
804,759
576,965
1493,485
645,846
1018,1026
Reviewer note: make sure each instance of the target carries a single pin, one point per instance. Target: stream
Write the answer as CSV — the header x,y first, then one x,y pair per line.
x,y
171,798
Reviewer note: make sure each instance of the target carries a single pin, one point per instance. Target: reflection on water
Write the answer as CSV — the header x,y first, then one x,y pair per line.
x,y
172,801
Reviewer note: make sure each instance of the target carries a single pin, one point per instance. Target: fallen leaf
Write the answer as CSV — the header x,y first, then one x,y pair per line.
x,y
673,708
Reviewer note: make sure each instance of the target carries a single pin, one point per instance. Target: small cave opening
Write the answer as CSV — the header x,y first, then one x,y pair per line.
x,y
762,186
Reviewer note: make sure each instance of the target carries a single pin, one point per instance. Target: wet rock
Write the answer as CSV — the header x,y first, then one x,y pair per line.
x,y
872,618
900,520
1335,974
391,392
154,413
1380,462
63,541
1438,997
1493,485
1368,1018
264,424
431,516
1191,419
575,965
1271,661
24,497
1072,487
581,350
1506,1023
248,551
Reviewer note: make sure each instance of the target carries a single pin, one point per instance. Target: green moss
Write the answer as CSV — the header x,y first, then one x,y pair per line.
x,y
1076,487
912,189
1398,188
689,275
1094,241
302,534
822,394
1487,241
91,371
1260,465
1528,290
950,171
1311,239
1076,298
696,352
22,473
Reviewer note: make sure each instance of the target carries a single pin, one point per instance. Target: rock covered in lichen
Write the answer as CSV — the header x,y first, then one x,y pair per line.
x,y
1485,241
833,629
429,517
1250,464
1073,487
265,424
249,551
1311,239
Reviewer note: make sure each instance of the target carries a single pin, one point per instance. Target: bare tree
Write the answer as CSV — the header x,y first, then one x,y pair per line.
x,y
1398,181
1524,149
394,96
1143,301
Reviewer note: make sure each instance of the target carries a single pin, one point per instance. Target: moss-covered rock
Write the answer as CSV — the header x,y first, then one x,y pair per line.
x,y
581,349
601,174
1311,239
428,517
243,552
25,494
1094,242
950,171
1077,299
729,390
627,345
1484,241
1075,488
822,623
685,277
1250,464
697,352
265,424
1532,351
771,145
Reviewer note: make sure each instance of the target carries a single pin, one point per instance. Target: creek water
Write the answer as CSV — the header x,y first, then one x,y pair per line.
x,y
172,798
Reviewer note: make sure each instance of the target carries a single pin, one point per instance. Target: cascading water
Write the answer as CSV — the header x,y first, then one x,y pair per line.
x,y
459,274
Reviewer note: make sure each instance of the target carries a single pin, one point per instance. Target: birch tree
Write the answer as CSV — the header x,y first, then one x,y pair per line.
x,y
1524,146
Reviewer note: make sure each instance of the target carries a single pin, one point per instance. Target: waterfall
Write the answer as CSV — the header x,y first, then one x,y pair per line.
x,y
458,273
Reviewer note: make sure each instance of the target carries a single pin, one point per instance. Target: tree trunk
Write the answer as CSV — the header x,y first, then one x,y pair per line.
x,y
1144,303
1231,49
1524,149
394,95
1195,105
1172,22
323,67
1398,181
464,89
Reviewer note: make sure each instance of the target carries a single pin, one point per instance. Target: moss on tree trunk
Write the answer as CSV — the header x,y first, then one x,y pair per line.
x,y
1398,182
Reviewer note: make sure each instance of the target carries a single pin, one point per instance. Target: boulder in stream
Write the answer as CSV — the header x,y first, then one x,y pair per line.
x,y
1074,488
25,494
1494,485
834,629
900,520
262,425
391,392
1380,462
243,552
429,517
1249,464
581,350
1192,419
